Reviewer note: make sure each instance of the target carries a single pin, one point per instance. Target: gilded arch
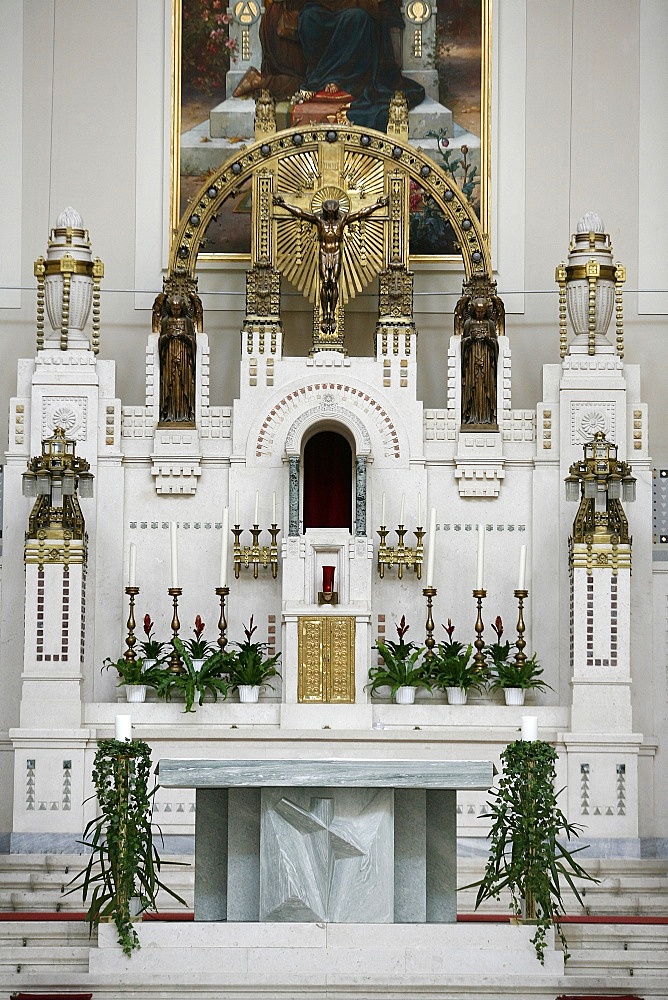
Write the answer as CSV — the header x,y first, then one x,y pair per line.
x,y
396,157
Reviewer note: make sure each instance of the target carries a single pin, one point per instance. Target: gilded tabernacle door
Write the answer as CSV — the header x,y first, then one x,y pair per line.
x,y
326,659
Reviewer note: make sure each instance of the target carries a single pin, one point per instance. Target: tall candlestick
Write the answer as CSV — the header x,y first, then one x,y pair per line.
x,y
123,728
132,571
273,507
257,500
481,558
174,554
431,549
419,523
403,505
236,507
382,516
223,547
523,568
529,728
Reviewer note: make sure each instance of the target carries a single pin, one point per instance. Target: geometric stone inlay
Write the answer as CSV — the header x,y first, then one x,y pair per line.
x,y
327,854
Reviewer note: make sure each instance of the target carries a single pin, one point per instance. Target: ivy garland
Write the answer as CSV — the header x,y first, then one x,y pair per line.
x,y
526,856
124,862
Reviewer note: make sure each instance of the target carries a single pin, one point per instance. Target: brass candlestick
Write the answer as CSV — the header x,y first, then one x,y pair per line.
x,y
430,642
273,549
479,656
520,658
382,551
175,664
222,592
129,655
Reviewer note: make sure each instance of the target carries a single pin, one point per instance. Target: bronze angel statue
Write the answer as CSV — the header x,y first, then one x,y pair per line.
x,y
480,321
177,318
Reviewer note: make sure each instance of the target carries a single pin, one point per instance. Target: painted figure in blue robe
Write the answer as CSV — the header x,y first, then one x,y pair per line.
x,y
331,45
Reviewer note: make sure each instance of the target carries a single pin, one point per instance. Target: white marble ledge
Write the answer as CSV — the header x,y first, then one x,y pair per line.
x,y
326,773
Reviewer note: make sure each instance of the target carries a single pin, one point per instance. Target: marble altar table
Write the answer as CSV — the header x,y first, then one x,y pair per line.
x,y
337,841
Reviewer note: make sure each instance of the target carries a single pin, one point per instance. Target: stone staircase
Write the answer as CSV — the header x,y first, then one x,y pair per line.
x,y
624,958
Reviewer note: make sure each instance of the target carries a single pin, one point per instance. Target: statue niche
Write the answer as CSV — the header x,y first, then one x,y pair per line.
x,y
479,321
177,318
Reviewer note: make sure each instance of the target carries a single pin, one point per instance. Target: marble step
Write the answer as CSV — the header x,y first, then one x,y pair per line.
x,y
37,958
608,962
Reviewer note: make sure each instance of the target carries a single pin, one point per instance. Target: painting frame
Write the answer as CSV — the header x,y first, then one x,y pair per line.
x,y
178,181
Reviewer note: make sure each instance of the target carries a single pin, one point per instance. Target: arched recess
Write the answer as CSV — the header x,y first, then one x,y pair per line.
x,y
189,237
328,480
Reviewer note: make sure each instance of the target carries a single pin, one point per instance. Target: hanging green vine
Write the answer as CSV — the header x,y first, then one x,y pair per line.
x,y
124,862
526,856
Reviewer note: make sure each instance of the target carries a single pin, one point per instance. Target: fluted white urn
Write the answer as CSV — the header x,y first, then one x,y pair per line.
x,y
590,263
68,254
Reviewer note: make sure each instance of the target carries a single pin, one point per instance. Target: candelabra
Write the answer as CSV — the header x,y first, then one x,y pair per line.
x,y
520,658
430,642
400,555
222,593
129,655
255,554
479,656
175,664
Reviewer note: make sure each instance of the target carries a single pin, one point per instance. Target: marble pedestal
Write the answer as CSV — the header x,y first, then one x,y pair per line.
x,y
340,841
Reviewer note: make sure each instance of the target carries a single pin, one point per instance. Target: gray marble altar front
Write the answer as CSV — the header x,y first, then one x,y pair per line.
x,y
339,841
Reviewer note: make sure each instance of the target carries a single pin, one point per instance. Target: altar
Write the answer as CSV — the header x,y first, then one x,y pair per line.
x,y
340,841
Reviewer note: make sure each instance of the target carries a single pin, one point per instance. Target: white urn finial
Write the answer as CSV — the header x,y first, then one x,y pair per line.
x,y
590,223
69,283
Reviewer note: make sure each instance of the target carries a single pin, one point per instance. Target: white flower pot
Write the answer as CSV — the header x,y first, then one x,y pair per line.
x,y
135,692
456,695
148,663
249,692
197,664
405,695
514,696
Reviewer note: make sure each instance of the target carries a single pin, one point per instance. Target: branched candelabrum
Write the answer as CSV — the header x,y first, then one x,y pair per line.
x,y
520,657
400,555
255,555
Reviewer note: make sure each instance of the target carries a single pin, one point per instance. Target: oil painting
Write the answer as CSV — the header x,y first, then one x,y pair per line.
x,y
338,61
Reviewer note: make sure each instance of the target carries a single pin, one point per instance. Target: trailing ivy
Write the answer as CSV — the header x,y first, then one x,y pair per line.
x,y
124,862
526,856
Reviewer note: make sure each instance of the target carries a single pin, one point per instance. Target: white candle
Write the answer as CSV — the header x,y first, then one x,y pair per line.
x,y
431,548
174,554
236,507
481,558
403,505
382,516
529,727
132,572
123,728
523,568
419,524
257,500
273,507
223,547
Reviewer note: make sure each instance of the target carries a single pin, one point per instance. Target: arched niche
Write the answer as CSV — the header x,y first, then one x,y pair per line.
x,y
328,477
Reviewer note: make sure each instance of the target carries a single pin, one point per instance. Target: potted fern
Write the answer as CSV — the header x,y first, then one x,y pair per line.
x,y
250,668
198,678
454,671
136,676
400,669
513,676
199,649
152,649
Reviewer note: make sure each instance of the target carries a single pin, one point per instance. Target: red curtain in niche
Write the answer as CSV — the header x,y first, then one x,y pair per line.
x,y
328,481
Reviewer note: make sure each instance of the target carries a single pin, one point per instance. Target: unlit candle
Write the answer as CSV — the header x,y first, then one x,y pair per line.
x,y
529,728
174,554
132,571
431,548
481,558
123,728
223,547
523,568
